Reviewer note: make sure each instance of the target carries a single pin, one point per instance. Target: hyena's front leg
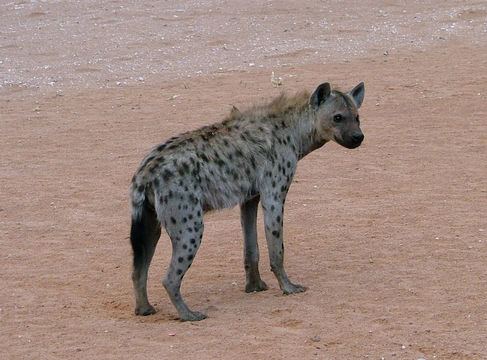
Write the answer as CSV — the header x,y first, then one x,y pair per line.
x,y
248,216
273,220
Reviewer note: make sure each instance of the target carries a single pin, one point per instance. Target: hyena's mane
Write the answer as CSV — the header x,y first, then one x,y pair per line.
x,y
279,106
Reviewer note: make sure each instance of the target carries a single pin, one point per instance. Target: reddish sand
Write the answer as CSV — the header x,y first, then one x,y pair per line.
x,y
390,238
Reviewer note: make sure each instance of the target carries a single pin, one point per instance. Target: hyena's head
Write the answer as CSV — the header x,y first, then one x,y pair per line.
x,y
336,114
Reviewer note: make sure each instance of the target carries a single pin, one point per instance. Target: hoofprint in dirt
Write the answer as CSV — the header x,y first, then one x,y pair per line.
x,y
250,156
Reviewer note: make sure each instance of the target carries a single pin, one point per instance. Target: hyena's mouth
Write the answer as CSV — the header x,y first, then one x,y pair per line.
x,y
350,143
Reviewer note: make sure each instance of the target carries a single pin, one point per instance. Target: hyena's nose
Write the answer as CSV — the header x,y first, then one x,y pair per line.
x,y
358,137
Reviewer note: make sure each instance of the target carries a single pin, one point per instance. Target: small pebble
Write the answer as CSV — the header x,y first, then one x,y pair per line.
x,y
315,338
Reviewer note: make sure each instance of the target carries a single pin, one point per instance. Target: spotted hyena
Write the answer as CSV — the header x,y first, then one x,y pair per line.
x,y
250,156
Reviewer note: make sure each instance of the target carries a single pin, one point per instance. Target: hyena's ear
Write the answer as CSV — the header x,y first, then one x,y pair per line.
x,y
320,95
357,93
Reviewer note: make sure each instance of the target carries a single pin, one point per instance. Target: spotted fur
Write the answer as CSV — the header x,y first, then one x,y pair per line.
x,y
250,156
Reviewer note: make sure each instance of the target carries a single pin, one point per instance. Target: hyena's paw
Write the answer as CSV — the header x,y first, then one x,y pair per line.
x,y
145,310
293,289
256,286
193,316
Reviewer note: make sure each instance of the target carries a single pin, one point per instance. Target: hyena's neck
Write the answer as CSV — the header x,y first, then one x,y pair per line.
x,y
303,133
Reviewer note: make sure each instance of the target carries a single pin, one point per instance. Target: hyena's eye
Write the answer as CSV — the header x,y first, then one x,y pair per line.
x,y
357,119
337,118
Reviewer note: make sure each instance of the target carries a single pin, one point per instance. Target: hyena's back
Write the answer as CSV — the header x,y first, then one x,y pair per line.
x,y
217,166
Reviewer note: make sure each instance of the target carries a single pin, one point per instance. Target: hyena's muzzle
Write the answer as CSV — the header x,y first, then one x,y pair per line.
x,y
351,137
353,140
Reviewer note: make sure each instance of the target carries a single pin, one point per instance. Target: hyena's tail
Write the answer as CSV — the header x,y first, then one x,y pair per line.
x,y
137,195
145,229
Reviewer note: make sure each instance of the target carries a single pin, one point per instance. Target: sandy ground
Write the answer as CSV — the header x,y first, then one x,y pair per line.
x,y
390,238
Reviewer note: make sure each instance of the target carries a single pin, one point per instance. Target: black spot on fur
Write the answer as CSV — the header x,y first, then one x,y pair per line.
x,y
190,257
167,175
193,199
204,158
180,259
173,220
252,161
148,160
161,147
185,167
276,233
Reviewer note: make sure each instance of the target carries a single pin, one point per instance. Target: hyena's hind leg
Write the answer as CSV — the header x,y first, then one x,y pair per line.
x,y
248,217
144,234
185,228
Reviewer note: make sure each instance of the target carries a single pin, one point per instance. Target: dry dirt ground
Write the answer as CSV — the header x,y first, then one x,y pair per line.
x,y
390,238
